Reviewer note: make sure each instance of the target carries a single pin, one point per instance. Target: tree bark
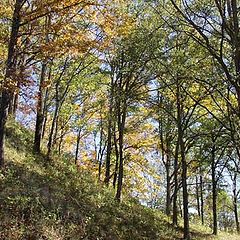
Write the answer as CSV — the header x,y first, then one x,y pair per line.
x,y
197,198
109,134
183,164
40,114
116,163
168,195
122,112
101,149
77,146
214,190
175,193
7,85
202,201
235,201
185,192
51,139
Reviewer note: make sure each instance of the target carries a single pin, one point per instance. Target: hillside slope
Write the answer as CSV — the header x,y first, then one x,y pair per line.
x,y
57,201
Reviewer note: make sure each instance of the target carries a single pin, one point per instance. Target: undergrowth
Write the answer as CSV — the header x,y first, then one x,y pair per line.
x,y
56,201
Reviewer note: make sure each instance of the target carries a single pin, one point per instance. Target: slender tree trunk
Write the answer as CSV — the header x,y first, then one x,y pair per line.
x,y
168,195
45,102
15,101
197,198
165,155
121,159
183,164
185,192
121,127
45,113
236,213
214,191
50,139
202,201
117,160
101,149
78,145
109,135
175,193
56,126
10,68
40,116
235,201
180,205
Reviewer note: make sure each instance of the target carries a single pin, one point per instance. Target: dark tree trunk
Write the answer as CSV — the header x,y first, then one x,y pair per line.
x,y
235,201
168,195
116,163
121,159
56,126
40,116
45,113
10,107
77,146
165,152
15,101
214,191
180,205
109,135
175,193
45,103
185,192
101,150
202,201
197,198
7,91
51,139
121,126
183,164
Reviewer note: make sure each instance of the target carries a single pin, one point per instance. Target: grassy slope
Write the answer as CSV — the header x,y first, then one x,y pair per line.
x,y
57,201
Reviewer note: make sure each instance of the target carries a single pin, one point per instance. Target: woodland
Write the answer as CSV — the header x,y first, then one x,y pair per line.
x,y
119,119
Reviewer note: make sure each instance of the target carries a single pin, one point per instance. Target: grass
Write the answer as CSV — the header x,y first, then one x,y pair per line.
x,y
58,201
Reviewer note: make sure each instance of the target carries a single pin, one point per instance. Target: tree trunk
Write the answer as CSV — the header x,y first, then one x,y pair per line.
x,y
214,191
121,126
40,116
175,193
45,113
185,192
15,101
77,146
116,163
101,150
168,195
202,203
7,86
197,198
121,159
50,139
61,141
184,164
109,135
235,201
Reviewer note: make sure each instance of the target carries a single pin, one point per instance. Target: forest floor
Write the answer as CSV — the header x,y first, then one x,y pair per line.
x,y
57,201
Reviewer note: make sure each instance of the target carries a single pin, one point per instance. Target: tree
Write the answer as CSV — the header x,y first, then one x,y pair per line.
x,y
9,82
